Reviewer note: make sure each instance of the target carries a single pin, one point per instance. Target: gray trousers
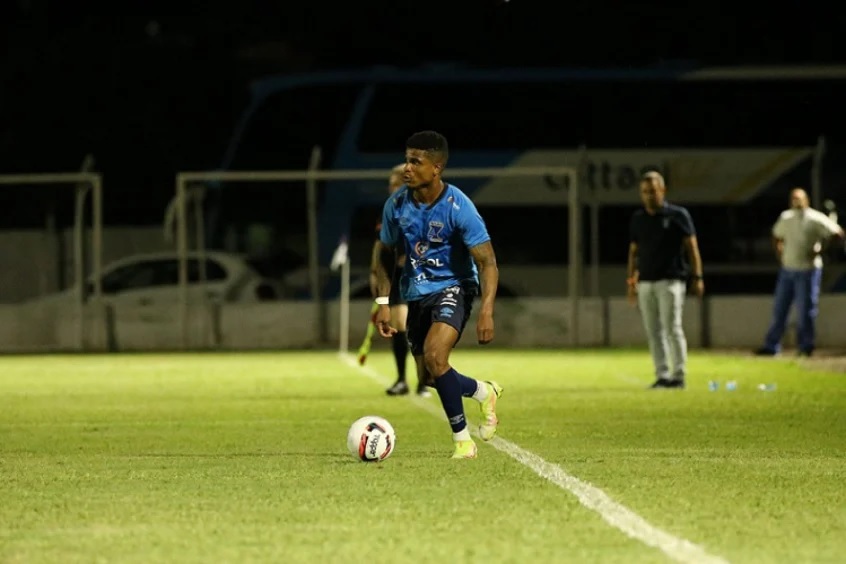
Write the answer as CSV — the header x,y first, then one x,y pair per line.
x,y
661,303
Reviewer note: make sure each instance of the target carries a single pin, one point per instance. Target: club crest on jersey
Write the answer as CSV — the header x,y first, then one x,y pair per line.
x,y
420,247
666,223
435,228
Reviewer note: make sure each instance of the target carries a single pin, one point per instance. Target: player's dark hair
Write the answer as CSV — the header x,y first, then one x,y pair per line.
x,y
431,142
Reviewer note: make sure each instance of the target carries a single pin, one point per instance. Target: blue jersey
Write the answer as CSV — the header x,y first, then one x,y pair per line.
x,y
437,238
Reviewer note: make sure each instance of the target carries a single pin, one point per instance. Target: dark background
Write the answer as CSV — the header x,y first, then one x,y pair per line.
x,y
150,87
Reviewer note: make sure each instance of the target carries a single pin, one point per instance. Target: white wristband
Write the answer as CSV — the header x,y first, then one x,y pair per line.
x,y
382,300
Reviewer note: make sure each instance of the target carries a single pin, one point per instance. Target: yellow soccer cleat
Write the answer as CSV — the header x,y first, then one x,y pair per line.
x,y
487,430
465,449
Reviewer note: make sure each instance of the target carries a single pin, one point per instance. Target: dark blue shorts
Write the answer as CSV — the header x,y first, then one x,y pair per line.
x,y
451,306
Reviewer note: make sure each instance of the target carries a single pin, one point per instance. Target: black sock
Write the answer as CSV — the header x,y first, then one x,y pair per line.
x,y
449,390
468,385
400,346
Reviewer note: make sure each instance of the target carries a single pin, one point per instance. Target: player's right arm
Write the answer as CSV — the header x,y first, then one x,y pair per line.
x,y
388,238
375,260
631,274
778,237
381,277
631,268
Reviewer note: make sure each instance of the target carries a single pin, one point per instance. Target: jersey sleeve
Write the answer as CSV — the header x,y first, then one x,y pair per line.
x,y
388,229
778,227
826,226
686,223
472,226
633,229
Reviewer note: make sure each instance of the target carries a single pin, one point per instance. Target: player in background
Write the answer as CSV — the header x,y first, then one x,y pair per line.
x,y
448,250
393,263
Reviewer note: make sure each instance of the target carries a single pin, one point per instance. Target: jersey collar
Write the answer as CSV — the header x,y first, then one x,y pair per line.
x,y
443,194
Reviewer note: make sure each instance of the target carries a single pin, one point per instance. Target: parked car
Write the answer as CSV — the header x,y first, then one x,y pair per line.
x,y
150,279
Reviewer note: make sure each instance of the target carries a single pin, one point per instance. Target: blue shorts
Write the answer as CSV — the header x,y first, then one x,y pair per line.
x,y
451,306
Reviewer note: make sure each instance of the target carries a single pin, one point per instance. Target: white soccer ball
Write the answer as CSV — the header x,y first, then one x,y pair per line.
x,y
371,438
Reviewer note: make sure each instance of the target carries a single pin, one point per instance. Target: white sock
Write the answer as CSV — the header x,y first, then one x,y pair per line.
x,y
482,391
462,435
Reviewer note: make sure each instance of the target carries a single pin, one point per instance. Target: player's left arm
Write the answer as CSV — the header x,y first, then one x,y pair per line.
x,y
691,245
831,231
485,259
475,236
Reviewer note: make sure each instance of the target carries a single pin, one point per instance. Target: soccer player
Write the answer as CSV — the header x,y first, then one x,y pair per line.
x,y
799,237
447,250
662,250
392,262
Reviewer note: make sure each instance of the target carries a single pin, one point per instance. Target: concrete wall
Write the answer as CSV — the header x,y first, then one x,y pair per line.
x,y
719,322
37,264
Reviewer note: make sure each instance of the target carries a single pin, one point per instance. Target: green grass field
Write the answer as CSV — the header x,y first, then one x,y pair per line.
x,y
242,458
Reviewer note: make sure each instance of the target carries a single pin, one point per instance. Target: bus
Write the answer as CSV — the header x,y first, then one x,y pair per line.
x,y
731,142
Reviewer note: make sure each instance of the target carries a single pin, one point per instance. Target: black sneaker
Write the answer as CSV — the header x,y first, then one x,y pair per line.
x,y
763,351
398,389
423,392
664,384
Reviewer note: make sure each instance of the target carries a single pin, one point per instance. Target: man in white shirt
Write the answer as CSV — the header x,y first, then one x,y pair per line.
x,y
799,237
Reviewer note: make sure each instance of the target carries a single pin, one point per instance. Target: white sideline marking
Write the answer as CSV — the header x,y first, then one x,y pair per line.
x,y
616,515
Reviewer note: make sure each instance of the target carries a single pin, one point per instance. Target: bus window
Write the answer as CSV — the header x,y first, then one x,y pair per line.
x,y
474,117
285,126
605,114
279,135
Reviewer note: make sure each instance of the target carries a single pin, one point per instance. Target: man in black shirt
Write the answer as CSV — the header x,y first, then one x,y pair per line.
x,y
662,250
